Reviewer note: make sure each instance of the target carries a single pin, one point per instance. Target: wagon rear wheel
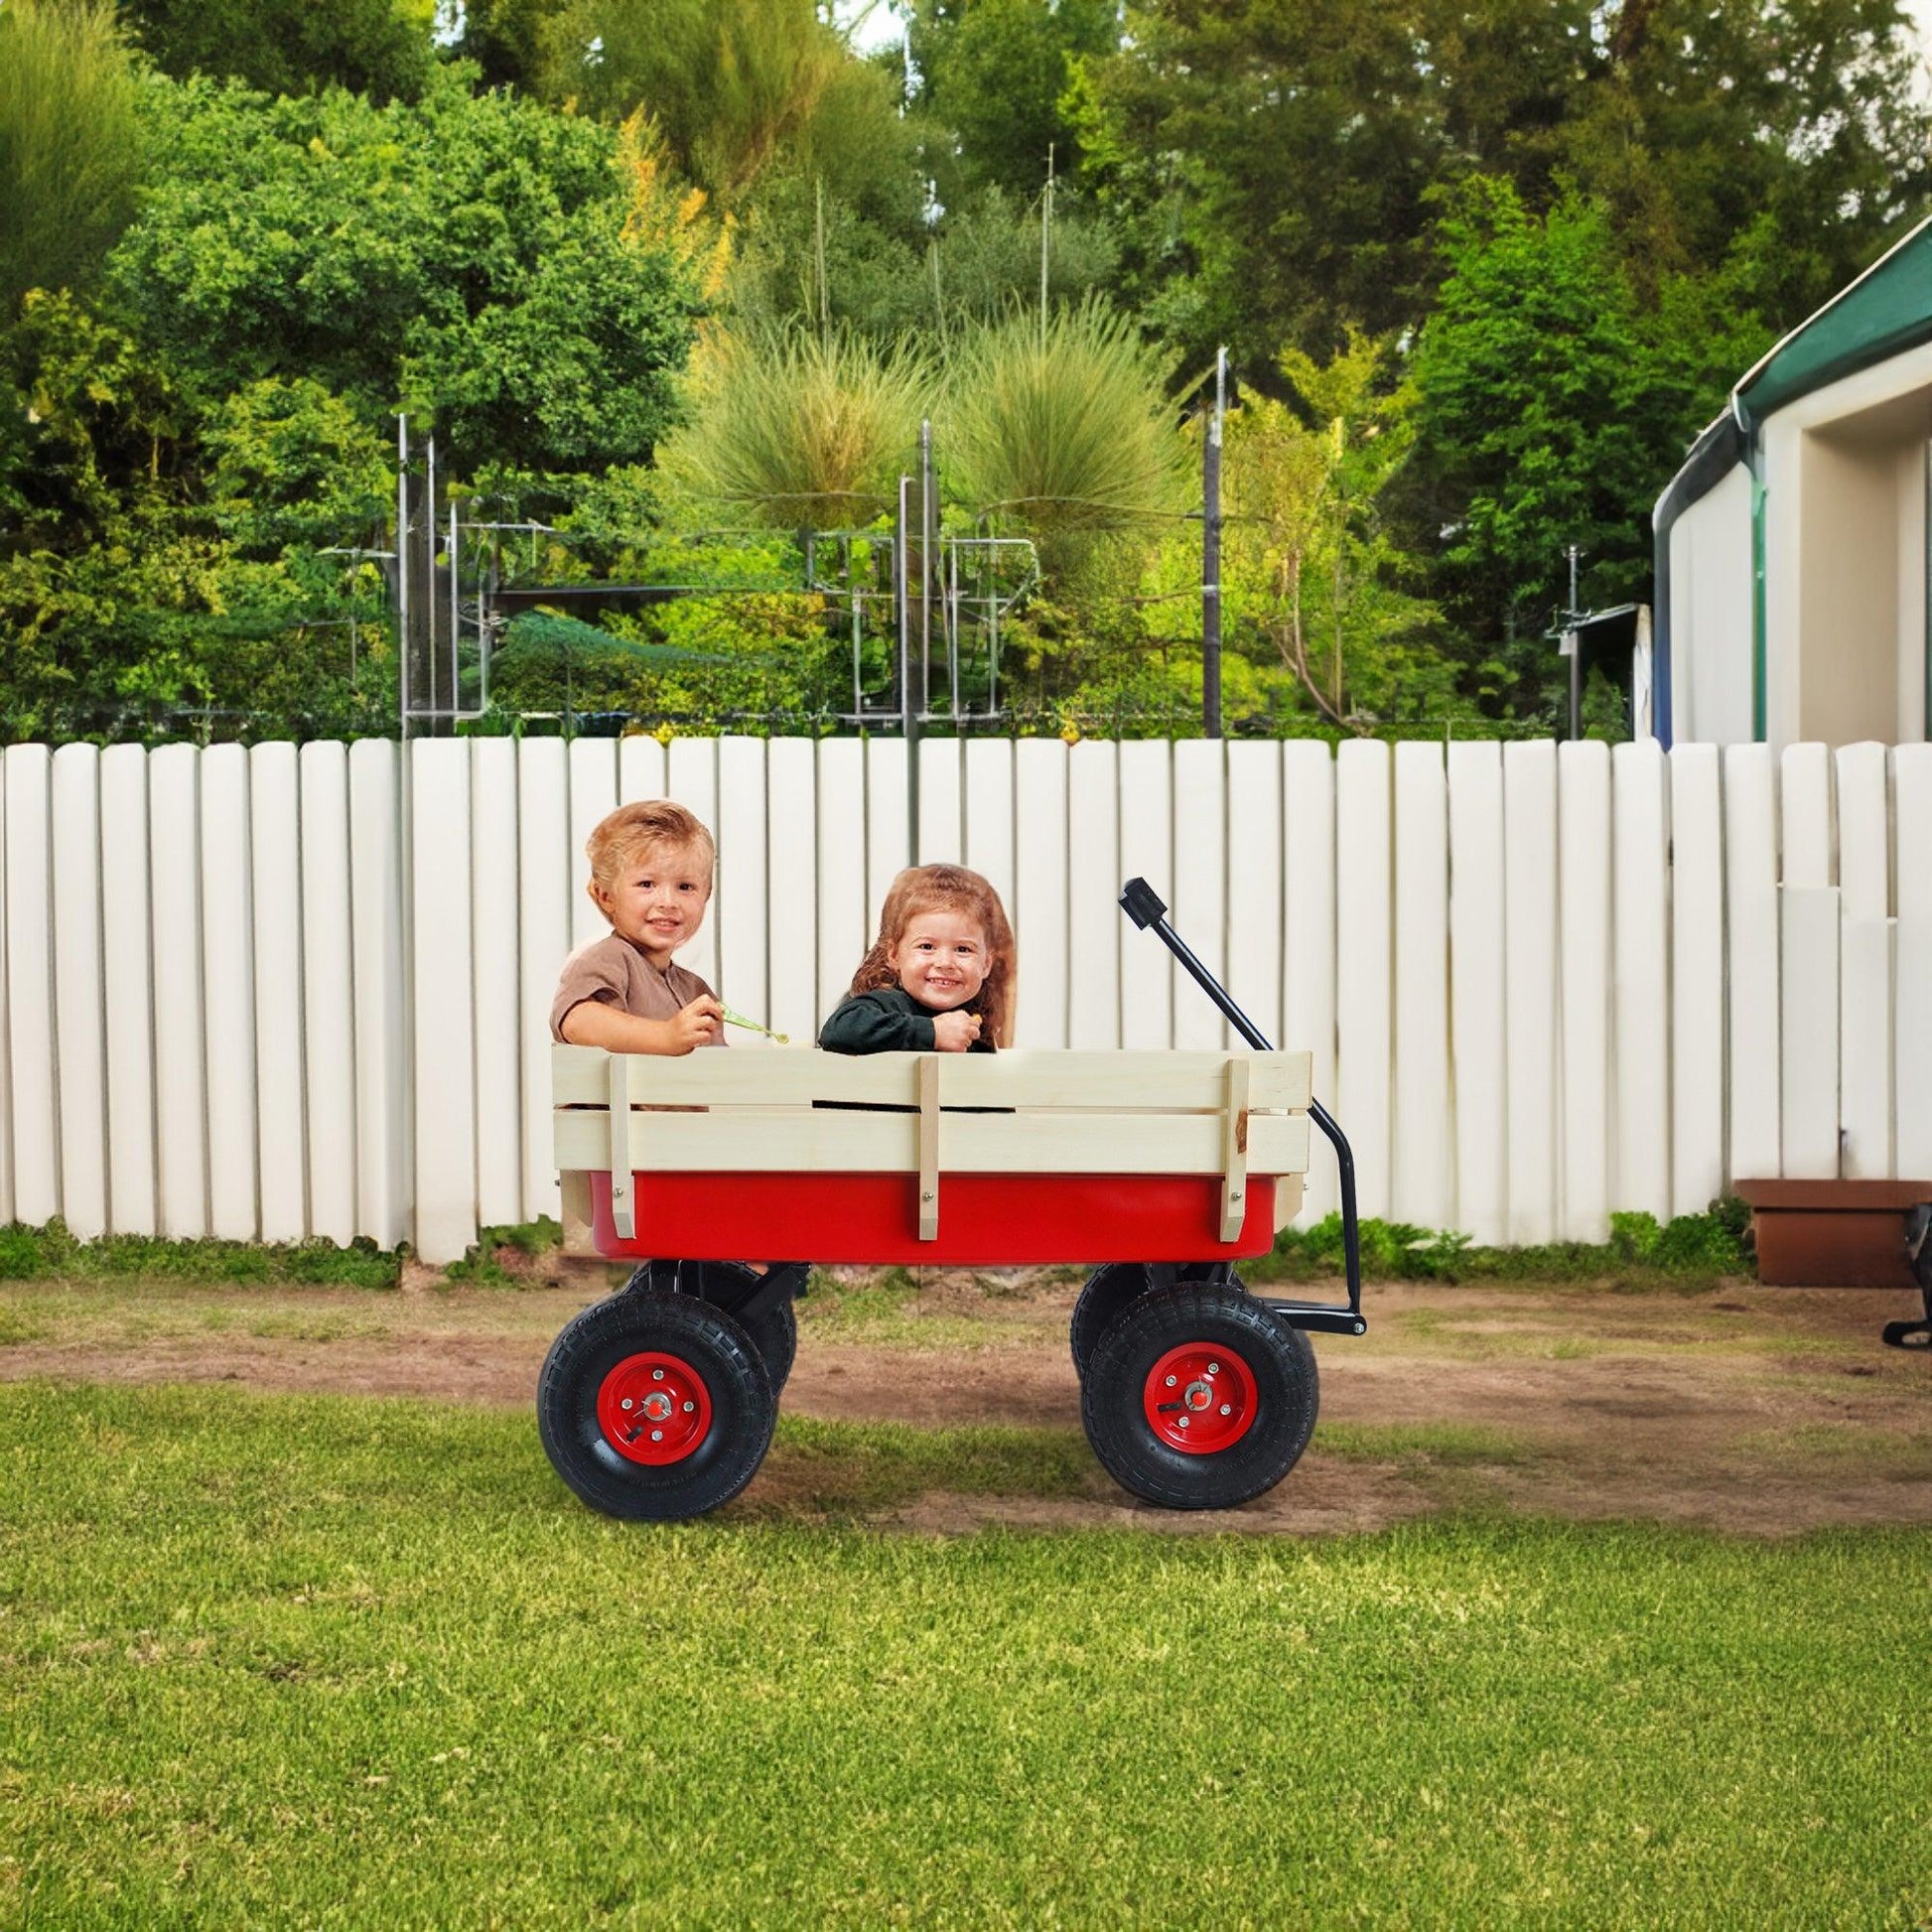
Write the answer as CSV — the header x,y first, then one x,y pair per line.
x,y
654,1406
773,1330
1198,1398
1108,1293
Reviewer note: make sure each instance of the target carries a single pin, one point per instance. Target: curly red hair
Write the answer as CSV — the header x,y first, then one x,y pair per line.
x,y
948,889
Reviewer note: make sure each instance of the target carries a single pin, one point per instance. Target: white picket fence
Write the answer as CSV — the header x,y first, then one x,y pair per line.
x,y
274,993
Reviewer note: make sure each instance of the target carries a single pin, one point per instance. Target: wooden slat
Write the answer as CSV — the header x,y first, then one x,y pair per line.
x,y
1234,1150
1096,927
737,909
547,875
1308,930
1641,982
1174,1082
1751,1003
1290,1190
1145,851
1696,983
497,997
1529,986
125,885
329,993
180,1095
929,1146
624,1194
1040,903
1422,1179
793,1004
843,1141
1364,1030
442,986
229,996
1809,1033
1200,886
275,896
1479,1018
81,1059
1584,987
592,797
691,777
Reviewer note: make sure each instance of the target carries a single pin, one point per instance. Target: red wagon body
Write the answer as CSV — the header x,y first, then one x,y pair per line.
x,y
992,1220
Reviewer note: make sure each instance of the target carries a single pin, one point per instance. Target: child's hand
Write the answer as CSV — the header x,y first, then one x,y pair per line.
x,y
953,1032
701,1024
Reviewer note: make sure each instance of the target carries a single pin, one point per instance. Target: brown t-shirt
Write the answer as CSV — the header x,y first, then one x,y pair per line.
x,y
614,971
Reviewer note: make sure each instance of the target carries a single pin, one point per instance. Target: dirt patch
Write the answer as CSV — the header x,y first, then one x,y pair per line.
x,y
1767,1411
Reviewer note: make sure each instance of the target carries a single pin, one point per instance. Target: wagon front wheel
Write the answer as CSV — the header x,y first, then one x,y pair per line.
x,y
654,1406
1109,1291
1198,1397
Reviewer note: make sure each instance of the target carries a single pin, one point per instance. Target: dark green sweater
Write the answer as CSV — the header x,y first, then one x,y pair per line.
x,y
885,1021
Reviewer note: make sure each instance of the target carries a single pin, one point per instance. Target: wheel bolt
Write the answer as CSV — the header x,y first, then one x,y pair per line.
x,y
657,1375
1170,1381
688,1406
1228,1409
656,1435
1184,1421
625,1403
1215,1368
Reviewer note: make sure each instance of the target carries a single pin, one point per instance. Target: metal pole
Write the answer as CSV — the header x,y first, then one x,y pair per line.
x,y
1210,556
908,712
1575,658
429,586
402,578
456,622
926,573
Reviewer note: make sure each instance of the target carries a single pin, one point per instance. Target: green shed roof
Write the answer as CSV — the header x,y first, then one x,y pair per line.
x,y
1886,310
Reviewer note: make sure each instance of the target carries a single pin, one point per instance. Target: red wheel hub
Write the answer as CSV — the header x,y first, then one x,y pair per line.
x,y
1200,1398
653,1408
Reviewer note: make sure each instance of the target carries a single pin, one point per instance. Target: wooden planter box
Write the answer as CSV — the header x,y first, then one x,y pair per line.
x,y
1832,1233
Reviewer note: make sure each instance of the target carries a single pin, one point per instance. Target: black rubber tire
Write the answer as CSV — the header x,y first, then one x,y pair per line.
x,y
744,1409
774,1332
1287,1397
1108,1292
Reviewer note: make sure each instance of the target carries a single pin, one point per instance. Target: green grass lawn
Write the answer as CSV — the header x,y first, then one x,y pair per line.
x,y
330,1662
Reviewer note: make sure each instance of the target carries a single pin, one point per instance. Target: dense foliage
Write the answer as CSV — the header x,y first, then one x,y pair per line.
x,y
1481,275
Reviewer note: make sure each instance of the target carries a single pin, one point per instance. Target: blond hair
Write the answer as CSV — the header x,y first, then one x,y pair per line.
x,y
948,889
631,831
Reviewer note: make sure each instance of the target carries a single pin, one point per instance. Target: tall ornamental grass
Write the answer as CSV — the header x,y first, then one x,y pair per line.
x,y
69,152
1063,425
802,429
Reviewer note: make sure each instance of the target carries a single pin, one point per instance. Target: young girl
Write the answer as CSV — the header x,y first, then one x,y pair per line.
x,y
940,976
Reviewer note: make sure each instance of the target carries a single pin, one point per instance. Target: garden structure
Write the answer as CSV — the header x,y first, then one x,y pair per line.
x,y
1165,1169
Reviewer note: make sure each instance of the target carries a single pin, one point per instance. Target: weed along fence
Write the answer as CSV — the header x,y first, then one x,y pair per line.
x,y
273,993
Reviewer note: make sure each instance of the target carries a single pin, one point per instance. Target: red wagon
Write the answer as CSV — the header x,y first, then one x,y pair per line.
x,y
1168,1170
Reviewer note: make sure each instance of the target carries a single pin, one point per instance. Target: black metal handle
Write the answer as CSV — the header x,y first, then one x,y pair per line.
x,y
1145,906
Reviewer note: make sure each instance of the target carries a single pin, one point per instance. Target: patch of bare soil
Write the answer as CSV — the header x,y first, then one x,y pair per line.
x,y
1764,1411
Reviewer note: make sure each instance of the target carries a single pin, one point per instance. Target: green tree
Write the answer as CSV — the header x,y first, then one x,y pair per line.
x,y
380,48
473,258
994,73
731,82
1274,163
1313,566
69,144
1555,402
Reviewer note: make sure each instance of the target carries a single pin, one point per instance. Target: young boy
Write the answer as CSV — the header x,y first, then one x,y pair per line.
x,y
650,877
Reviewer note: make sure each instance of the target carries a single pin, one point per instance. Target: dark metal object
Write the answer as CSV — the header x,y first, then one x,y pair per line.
x,y
1211,555
1918,1250
1145,906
